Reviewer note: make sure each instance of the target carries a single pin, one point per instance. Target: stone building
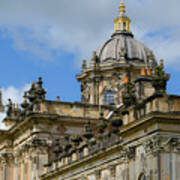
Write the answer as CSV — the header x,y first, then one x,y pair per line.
x,y
126,126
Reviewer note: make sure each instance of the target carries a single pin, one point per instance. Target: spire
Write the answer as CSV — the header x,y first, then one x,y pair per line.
x,y
122,8
122,22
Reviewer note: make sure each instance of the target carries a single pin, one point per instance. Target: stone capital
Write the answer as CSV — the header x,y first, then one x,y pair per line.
x,y
156,144
112,169
128,153
97,174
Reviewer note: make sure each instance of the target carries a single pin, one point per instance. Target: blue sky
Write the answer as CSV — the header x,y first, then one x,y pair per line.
x,y
20,68
50,38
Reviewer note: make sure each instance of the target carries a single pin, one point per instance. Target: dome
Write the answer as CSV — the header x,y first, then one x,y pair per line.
x,y
123,42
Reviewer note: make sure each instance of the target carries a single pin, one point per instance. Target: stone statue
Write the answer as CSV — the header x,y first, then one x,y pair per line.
x,y
159,80
150,59
85,91
10,108
94,59
122,53
129,97
36,91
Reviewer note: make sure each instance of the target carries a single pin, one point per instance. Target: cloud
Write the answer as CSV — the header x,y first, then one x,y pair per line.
x,y
15,94
156,24
49,28
2,126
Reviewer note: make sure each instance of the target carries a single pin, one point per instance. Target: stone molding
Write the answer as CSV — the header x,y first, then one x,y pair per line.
x,y
97,174
128,153
162,144
112,169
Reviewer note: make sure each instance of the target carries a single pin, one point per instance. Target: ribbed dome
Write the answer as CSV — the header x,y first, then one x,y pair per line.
x,y
123,43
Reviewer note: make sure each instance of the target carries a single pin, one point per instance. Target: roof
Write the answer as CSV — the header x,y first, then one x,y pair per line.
x,y
123,42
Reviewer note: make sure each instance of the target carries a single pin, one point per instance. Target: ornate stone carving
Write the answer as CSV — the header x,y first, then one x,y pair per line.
x,y
128,153
94,59
116,122
97,174
86,91
13,111
150,59
161,144
122,54
129,97
33,97
153,146
9,106
84,65
16,155
112,169
175,144
88,131
6,157
159,80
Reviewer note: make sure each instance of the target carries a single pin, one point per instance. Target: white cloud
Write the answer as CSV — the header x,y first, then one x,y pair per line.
x,y
2,126
15,94
43,27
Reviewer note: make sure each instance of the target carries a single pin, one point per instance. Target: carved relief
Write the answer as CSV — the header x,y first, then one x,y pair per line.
x,y
174,144
86,91
112,170
5,158
162,144
128,153
154,145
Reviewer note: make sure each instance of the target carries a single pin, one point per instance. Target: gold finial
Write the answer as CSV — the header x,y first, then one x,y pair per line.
x,y
122,8
122,22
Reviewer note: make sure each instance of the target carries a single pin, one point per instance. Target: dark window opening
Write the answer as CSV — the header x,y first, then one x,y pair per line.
x,y
109,97
124,26
142,177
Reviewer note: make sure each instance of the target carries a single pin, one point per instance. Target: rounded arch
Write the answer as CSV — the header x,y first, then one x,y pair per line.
x,y
142,176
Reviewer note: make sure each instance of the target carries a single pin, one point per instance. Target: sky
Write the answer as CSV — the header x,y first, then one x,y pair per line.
x,y
49,38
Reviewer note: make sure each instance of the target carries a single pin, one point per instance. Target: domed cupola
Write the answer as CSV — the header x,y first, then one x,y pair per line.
x,y
118,60
122,42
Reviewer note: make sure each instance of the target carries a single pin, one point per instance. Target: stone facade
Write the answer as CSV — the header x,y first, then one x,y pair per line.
x,y
145,148
125,128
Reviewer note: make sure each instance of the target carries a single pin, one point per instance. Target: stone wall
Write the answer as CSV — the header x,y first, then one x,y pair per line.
x,y
156,157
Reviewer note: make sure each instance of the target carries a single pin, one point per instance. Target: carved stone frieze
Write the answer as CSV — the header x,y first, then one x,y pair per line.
x,y
175,144
6,157
159,144
128,153
34,146
153,145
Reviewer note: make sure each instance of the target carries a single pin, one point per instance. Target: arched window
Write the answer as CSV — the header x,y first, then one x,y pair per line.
x,y
109,97
124,26
142,177
119,24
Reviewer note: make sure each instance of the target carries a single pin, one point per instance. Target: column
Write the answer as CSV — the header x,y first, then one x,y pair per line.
x,y
16,168
97,174
4,175
112,170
